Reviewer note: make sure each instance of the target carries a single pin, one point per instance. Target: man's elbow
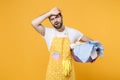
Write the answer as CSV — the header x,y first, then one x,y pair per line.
x,y
33,24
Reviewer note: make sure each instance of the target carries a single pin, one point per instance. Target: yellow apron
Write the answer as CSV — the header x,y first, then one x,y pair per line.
x,y
60,65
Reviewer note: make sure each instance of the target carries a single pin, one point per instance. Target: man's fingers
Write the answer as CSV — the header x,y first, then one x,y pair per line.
x,y
55,11
56,8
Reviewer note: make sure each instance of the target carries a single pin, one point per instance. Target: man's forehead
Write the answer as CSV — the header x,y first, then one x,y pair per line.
x,y
52,16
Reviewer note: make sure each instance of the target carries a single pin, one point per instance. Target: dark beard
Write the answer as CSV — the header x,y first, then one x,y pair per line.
x,y
59,26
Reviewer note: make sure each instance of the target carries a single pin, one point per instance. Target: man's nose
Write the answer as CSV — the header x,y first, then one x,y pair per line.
x,y
55,20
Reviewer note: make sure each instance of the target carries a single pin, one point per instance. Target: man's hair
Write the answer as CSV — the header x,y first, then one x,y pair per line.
x,y
56,15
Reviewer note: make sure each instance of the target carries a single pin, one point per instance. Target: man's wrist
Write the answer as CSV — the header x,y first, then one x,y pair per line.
x,y
48,14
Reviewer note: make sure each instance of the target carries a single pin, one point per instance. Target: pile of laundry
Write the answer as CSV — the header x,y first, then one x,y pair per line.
x,y
87,51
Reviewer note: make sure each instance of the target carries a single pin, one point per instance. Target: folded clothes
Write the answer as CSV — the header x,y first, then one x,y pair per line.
x,y
87,52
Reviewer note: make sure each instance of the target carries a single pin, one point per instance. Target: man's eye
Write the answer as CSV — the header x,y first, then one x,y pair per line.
x,y
57,16
52,19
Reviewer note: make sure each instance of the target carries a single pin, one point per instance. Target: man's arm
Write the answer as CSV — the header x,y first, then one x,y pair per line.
x,y
85,39
36,23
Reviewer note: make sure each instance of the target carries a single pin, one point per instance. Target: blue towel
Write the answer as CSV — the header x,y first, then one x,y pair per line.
x,y
82,52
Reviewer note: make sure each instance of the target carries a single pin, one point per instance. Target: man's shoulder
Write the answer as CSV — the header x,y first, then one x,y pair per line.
x,y
71,29
49,29
48,32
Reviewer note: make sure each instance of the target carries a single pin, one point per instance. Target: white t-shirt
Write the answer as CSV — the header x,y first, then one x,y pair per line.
x,y
50,33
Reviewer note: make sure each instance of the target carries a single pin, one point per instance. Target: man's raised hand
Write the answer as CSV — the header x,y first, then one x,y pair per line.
x,y
54,11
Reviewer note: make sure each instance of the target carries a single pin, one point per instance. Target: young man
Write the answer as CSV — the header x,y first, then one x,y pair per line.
x,y
58,41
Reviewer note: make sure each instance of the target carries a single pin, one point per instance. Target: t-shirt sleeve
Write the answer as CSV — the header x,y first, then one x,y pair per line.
x,y
78,35
47,32
48,36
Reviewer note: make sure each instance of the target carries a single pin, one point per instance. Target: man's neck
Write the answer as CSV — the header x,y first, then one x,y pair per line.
x,y
61,29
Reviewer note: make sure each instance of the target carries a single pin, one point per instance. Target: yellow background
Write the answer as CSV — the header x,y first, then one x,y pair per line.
x,y
23,52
